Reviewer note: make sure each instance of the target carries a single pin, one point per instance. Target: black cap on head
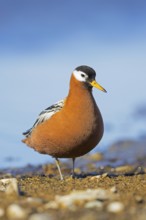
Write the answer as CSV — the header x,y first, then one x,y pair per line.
x,y
86,69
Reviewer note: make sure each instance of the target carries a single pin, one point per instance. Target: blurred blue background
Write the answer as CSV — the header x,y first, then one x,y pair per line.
x,y
42,41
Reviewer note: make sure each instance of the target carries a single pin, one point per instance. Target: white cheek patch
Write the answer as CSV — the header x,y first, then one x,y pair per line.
x,y
79,77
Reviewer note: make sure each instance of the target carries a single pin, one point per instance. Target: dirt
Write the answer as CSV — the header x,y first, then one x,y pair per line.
x,y
127,180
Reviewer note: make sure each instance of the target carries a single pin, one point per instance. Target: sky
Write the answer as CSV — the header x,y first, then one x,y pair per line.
x,y
43,41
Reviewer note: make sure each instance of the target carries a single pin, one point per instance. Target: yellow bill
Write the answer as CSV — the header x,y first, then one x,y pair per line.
x,y
96,85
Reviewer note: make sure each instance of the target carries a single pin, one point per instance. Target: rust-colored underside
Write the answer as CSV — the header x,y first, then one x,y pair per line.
x,y
73,131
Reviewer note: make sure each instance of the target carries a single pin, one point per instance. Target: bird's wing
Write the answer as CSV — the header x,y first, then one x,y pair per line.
x,y
45,115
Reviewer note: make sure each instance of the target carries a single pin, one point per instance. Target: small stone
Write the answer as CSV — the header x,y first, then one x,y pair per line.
x,y
42,216
79,198
2,212
15,211
124,169
34,200
94,204
139,170
51,205
9,186
102,194
139,199
104,175
115,207
99,176
113,189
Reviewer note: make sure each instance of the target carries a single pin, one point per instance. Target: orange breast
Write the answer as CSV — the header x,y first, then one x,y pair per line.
x,y
73,131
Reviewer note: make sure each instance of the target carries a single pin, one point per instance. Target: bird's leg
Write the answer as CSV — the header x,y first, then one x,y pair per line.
x,y
58,166
73,167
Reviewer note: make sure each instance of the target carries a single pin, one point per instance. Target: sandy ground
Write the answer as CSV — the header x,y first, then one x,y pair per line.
x,y
107,186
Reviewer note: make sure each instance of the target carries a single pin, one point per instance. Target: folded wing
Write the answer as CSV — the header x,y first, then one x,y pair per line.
x,y
45,115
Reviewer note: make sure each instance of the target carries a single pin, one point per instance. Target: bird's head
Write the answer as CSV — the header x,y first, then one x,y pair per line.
x,y
86,75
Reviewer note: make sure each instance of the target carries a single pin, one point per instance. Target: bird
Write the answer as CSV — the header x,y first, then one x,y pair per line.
x,y
71,127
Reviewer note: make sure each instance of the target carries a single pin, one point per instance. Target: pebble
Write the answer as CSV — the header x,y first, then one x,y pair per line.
x,y
42,216
51,205
124,169
34,200
115,207
2,212
78,198
114,189
9,186
94,204
15,211
99,176
139,199
140,170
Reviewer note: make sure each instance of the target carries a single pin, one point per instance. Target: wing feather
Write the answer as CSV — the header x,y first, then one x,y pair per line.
x,y
45,115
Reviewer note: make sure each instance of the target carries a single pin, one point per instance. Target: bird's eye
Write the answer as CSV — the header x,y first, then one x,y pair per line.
x,y
82,75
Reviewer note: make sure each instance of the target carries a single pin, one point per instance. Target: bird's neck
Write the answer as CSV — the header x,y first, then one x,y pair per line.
x,y
77,86
79,92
